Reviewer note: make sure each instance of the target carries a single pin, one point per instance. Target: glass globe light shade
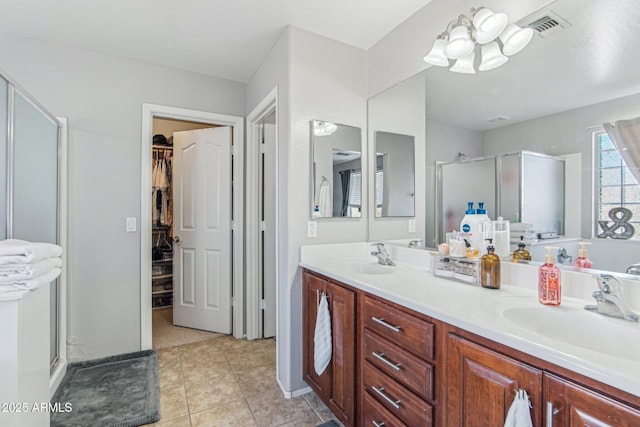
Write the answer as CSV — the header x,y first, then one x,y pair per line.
x,y
488,25
491,57
460,44
464,65
514,39
437,56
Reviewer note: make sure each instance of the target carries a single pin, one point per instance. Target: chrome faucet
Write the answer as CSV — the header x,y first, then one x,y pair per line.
x,y
564,257
415,243
382,254
609,299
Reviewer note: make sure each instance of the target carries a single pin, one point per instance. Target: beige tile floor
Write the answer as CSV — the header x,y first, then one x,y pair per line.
x,y
228,382
167,335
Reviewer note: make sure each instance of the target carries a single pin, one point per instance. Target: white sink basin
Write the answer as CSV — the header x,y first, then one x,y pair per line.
x,y
373,268
571,324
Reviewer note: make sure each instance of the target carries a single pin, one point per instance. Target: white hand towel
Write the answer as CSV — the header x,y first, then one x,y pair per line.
x,y
322,349
31,284
324,199
519,414
15,251
13,272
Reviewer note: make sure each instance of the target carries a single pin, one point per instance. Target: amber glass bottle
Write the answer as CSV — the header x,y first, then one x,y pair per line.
x,y
521,253
490,268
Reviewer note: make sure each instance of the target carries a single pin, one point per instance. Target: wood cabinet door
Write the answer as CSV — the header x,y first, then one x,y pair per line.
x,y
571,405
342,303
336,385
312,287
481,385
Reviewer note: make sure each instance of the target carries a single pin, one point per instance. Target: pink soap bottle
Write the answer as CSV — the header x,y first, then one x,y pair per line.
x,y
549,288
582,261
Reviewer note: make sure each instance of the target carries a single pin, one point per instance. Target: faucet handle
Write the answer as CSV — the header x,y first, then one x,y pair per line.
x,y
605,285
379,246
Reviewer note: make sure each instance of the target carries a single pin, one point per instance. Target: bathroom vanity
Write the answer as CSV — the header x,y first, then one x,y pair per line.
x,y
413,349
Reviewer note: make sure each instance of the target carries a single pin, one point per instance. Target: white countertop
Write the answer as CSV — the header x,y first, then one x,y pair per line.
x,y
481,311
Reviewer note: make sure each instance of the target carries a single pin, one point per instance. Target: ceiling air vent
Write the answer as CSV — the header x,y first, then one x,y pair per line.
x,y
497,119
544,22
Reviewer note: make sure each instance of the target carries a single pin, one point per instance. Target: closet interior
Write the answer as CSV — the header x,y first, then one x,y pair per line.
x,y
162,208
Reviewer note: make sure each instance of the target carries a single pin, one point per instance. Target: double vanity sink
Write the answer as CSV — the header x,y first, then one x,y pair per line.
x,y
604,348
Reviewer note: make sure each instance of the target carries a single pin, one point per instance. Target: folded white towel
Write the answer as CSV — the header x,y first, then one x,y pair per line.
x,y
519,414
12,272
31,284
322,349
15,251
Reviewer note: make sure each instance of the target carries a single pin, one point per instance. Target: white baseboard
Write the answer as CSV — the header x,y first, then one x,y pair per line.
x,y
295,393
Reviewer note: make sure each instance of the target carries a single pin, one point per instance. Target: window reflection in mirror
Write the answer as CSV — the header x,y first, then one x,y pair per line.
x,y
336,151
395,174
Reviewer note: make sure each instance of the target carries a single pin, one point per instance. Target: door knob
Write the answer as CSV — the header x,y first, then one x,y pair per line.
x,y
176,239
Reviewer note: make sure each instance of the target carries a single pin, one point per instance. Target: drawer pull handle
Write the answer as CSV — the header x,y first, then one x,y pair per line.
x,y
381,321
381,393
551,411
378,424
380,357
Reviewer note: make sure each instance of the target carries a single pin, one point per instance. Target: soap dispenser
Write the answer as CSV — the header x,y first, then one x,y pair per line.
x,y
490,268
582,261
521,253
549,288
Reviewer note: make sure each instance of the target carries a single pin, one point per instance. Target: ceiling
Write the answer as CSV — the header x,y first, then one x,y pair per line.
x,y
594,59
220,38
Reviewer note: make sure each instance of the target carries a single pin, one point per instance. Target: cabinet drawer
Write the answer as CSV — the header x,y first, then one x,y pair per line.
x,y
403,329
411,371
376,415
397,399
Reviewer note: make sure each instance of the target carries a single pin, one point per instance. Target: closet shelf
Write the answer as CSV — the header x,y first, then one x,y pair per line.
x,y
162,277
164,291
163,147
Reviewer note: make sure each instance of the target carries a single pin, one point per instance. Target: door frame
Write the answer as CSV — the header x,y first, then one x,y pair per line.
x,y
149,111
252,254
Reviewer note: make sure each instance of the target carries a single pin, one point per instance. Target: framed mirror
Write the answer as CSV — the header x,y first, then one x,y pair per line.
x,y
336,167
394,175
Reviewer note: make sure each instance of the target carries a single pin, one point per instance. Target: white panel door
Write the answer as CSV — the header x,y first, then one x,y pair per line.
x,y
202,229
268,234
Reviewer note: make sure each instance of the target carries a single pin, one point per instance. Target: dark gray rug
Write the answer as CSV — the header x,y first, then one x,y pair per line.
x,y
116,391
329,423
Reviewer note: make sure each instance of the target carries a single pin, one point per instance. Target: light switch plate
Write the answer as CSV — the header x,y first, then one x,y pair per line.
x,y
131,224
412,225
312,229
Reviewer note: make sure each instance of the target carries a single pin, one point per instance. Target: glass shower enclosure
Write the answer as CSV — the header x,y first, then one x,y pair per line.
x,y
29,180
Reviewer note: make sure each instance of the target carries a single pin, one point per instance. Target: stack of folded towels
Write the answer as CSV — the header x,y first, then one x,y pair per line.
x,y
26,266
526,231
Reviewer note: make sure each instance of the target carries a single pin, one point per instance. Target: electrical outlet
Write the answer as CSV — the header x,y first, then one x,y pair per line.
x,y
131,225
312,229
412,225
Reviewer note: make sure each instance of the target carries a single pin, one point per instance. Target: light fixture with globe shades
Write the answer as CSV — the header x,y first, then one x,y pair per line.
x,y
490,31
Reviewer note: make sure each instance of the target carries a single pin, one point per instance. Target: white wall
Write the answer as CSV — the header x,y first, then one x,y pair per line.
x,y
317,78
571,132
326,83
274,72
102,97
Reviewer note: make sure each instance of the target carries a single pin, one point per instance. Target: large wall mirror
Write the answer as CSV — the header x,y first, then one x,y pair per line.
x,y
551,98
336,165
395,184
